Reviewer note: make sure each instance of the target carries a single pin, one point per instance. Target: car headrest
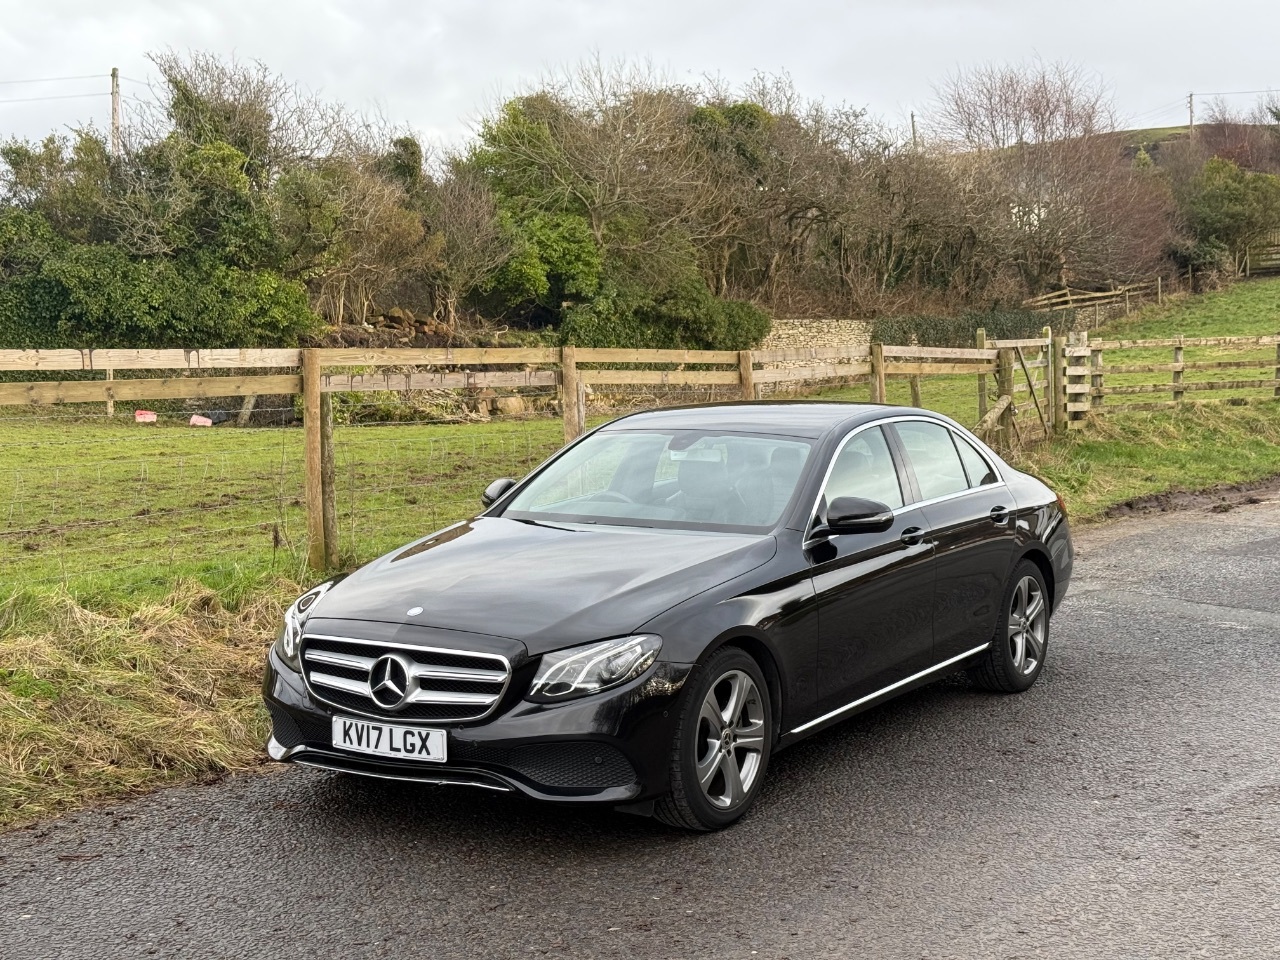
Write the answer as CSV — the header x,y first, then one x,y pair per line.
x,y
703,479
785,458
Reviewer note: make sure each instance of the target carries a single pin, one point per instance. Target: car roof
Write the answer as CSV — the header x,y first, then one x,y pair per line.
x,y
791,418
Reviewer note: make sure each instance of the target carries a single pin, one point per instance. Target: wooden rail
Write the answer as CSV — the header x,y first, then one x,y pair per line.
x,y
1067,298
146,359
99,391
1087,386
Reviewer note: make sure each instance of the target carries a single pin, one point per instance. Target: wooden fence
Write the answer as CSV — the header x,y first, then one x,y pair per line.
x,y
316,374
1103,304
1097,380
1027,390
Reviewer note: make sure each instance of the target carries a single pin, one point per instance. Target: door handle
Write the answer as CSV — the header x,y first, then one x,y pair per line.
x,y
912,535
1000,515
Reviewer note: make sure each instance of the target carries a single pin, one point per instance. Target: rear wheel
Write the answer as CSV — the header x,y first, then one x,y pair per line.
x,y
722,744
1017,652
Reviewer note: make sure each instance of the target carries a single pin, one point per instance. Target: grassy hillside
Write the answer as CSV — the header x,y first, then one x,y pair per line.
x,y
1146,136
1247,309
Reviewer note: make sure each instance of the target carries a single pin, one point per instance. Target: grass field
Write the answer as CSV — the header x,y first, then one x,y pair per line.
x,y
145,567
106,509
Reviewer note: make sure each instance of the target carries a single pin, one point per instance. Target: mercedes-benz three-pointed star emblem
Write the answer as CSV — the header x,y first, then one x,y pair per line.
x,y
389,681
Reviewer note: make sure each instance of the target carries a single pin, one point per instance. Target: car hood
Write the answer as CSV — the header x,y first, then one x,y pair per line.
x,y
546,586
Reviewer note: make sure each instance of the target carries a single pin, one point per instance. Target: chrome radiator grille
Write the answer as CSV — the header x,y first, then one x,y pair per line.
x,y
403,682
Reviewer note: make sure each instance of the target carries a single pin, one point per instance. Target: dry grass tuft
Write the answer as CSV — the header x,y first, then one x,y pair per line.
x,y
101,704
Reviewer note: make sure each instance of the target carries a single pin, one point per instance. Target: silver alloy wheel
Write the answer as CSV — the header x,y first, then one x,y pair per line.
x,y
730,740
1028,621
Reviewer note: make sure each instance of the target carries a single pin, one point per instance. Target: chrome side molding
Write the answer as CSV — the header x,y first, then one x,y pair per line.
x,y
890,688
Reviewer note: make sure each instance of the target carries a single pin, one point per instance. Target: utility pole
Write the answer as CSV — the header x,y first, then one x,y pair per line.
x,y
115,111
1191,115
915,145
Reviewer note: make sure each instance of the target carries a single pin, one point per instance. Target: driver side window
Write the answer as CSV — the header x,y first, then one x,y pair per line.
x,y
864,468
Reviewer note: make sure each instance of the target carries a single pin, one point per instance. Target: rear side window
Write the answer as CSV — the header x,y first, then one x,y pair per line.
x,y
933,456
975,464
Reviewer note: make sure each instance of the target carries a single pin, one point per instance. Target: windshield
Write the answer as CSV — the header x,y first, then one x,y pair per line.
x,y
667,478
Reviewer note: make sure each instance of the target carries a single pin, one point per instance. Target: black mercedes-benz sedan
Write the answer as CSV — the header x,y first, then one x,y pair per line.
x,y
650,615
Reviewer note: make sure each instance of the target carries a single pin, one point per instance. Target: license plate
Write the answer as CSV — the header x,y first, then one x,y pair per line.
x,y
389,740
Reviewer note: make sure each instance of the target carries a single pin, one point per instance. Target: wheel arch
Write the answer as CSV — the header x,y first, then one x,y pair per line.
x,y
1037,555
759,651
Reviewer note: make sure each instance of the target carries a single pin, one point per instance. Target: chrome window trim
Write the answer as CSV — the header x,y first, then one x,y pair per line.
x,y
890,688
826,477
976,448
412,648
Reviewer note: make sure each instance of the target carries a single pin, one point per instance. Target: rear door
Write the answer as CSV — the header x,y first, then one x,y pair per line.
x,y
875,591
972,516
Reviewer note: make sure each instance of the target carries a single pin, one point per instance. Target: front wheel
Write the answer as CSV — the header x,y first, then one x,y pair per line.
x,y
722,744
1016,655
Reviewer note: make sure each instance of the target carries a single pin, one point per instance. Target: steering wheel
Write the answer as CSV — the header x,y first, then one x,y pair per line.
x,y
613,496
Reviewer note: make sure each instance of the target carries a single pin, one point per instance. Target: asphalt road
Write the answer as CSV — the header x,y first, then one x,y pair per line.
x,y
1127,806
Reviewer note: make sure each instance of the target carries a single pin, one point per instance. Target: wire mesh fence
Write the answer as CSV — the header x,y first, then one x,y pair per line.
x,y
95,502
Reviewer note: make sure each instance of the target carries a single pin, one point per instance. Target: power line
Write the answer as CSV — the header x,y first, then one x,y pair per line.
x,y
65,96
1237,93
83,76
1168,107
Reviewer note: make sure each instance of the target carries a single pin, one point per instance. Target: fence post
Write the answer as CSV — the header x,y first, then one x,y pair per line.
x,y
1159,291
1177,372
915,389
980,341
877,373
312,458
111,404
1004,386
1050,382
1058,365
1278,368
328,483
747,374
1096,379
569,394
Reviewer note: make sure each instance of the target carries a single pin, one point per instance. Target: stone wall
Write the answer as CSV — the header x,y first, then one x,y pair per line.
x,y
799,334
842,332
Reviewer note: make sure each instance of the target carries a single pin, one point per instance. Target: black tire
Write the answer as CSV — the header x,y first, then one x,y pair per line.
x,y
1000,670
688,805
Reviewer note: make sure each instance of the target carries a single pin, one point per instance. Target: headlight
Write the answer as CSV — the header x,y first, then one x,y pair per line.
x,y
579,671
294,618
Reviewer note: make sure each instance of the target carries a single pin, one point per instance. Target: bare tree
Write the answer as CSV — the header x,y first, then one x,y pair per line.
x,y
1063,187
374,242
470,240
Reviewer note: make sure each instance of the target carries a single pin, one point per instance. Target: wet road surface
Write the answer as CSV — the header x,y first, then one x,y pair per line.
x,y
1127,806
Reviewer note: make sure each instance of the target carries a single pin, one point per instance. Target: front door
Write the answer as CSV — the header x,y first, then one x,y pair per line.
x,y
874,590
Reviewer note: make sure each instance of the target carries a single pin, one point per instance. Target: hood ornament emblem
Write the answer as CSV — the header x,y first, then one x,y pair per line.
x,y
413,611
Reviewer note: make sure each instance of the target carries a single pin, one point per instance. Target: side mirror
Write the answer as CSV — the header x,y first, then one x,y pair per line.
x,y
856,515
494,491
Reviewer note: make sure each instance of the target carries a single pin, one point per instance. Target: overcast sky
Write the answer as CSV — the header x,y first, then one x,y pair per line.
x,y
433,65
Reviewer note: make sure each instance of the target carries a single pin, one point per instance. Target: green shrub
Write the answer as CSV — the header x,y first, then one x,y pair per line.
x,y
687,316
960,331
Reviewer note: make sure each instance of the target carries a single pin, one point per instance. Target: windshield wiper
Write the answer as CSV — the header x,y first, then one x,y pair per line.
x,y
538,523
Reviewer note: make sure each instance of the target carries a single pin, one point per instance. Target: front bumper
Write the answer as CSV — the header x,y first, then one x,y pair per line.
x,y
611,748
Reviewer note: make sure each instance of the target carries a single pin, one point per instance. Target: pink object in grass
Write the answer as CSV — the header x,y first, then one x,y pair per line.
x,y
199,421
144,416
